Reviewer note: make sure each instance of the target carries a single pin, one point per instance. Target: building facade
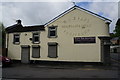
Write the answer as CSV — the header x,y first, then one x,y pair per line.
x,y
77,35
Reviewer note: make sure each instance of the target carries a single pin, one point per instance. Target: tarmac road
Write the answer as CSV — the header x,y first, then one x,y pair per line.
x,y
115,56
37,71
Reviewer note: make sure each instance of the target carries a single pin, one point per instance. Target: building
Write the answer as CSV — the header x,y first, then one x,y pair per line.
x,y
77,35
115,41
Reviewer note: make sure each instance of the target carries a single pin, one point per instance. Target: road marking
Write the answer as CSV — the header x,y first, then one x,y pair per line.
x,y
115,60
89,69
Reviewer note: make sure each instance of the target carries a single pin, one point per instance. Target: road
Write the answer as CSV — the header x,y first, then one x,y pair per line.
x,y
20,71
115,56
28,71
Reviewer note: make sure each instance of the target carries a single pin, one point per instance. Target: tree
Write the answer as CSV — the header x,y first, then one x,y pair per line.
x,y
112,35
2,35
117,28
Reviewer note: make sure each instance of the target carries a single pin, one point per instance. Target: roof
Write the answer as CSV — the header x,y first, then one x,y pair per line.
x,y
20,28
116,38
74,7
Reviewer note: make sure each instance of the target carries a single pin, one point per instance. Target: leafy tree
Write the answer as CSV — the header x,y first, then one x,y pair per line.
x,y
117,29
112,35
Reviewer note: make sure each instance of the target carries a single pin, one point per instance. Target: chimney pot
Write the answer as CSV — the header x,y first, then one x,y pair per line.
x,y
18,21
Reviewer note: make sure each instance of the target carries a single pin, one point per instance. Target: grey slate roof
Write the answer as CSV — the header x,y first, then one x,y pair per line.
x,y
20,28
116,38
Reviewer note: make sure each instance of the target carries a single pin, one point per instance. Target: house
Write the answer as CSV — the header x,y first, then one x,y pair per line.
x,y
77,35
115,41
115,47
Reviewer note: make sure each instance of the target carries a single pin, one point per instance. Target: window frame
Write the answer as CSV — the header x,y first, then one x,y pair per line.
x,y
14,38
49,31
33,37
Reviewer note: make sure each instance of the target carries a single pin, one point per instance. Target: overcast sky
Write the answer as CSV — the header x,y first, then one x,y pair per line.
x,y
40,12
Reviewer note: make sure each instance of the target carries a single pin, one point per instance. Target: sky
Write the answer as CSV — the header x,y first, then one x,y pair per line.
x,y
41,11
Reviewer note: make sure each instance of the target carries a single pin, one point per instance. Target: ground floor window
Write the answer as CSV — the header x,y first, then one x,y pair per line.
x,y
52,50
36,51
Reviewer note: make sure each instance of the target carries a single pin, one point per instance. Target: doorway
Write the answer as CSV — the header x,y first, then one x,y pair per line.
x,y
25,53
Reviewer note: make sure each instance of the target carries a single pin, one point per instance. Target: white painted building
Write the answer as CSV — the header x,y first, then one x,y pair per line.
x,y
77,35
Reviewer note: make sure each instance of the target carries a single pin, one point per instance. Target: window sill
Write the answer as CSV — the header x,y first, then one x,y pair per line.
x,y
35,57
16,43
53,57
35,42
52,36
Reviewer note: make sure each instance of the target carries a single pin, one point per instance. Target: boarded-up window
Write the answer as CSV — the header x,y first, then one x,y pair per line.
x,y
36,51
52,50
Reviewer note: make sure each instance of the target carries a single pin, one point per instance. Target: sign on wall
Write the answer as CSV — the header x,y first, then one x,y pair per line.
x,y
79,40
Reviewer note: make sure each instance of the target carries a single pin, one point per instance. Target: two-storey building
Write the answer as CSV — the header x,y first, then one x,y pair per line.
x,y
77,35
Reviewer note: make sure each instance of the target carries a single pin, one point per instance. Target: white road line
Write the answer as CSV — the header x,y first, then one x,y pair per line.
x,y
115,60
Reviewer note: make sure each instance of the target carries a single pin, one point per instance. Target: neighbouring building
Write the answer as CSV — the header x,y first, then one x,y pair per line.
x,y
115,41
77,35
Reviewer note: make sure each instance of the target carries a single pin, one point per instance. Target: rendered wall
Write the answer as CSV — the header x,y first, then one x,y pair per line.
x,y
74,24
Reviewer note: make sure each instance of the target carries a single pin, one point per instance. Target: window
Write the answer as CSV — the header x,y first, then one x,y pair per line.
x,y
36,51
16,39
52,32
35,37
52,50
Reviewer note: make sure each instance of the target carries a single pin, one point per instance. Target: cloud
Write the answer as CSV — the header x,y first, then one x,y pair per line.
x,y
60,0
33,13
0,11
106,9
95,0
119,9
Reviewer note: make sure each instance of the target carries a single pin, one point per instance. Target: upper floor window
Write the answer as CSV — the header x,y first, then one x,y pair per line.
x,y
16,39
52,32
36,38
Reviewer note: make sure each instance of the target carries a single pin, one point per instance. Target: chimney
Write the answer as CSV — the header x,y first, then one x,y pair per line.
x,y
18,21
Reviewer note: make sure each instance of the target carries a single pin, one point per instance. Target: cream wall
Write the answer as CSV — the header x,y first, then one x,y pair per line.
x,y
74,24
70,26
